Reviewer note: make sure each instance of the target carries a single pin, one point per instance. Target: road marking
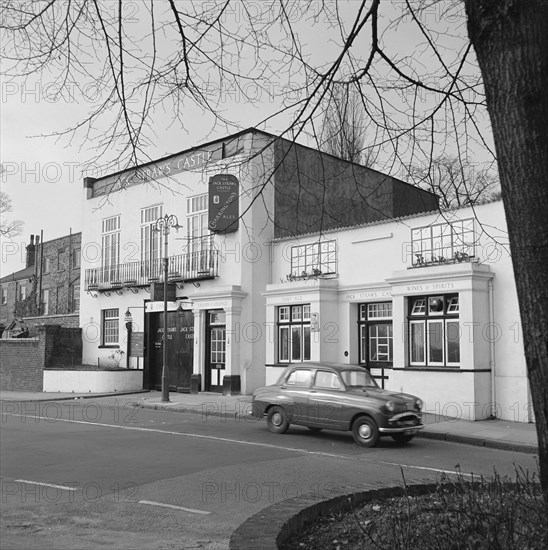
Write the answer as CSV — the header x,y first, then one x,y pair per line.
x,y
241,442
46,484
191,510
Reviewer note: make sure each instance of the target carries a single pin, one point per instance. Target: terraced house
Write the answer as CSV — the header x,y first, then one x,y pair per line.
x,y
47,290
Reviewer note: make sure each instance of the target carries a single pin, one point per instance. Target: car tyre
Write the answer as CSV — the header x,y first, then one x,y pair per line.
x,y
402,438
365,432
276,420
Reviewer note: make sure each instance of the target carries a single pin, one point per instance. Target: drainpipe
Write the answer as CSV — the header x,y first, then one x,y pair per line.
x,y
492,350
41,272
70,293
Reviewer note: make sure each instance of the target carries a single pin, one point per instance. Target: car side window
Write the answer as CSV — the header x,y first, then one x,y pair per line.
x,y
299,378
327,380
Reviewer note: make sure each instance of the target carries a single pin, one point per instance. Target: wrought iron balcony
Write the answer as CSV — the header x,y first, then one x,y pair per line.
x,y
192,266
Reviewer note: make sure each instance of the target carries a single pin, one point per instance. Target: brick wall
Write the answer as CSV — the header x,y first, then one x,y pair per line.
x,y
59,276
22,361
59,272
69,321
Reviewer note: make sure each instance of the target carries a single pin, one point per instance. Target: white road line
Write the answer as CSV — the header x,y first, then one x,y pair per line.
x,y
191,510
240,442
47,484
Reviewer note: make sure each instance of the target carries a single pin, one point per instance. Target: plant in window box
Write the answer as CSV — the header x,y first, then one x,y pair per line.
x,y
117,356
461,257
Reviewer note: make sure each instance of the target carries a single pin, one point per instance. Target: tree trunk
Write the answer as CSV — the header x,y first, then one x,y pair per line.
x,y
511,42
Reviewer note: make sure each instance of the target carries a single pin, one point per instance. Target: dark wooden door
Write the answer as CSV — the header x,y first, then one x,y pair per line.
x,y
180,349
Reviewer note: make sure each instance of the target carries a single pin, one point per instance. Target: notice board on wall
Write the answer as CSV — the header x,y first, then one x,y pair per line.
x,y
137,344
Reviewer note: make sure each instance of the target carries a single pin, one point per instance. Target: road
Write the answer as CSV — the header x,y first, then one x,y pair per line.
x,y
80,474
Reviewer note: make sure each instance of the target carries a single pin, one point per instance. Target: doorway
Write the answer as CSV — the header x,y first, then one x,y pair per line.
x,y
180,350
215,350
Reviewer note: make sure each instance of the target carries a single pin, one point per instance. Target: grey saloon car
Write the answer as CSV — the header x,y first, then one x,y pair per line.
x,y
337,397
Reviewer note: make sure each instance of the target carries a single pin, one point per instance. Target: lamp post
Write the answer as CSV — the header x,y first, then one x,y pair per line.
x,y
163,226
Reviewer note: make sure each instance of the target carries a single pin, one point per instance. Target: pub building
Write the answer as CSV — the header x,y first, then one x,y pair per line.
x,y
260,276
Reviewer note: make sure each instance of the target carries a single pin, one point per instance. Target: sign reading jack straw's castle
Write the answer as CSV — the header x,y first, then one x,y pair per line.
x,y
195,160
223,203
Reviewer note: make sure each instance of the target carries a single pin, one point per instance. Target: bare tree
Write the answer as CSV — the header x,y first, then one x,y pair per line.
x,y
474,60
457,182
8,228
344,126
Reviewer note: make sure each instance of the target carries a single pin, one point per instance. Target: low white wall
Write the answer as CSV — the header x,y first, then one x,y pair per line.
x,y
92,381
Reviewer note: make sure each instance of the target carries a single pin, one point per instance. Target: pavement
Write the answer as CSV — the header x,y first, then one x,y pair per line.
x,y
501,434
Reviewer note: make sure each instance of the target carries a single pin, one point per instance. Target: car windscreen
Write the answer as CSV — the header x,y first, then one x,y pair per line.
x,y
358,378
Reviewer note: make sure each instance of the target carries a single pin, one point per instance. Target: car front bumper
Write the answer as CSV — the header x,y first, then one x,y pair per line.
x,y
407,423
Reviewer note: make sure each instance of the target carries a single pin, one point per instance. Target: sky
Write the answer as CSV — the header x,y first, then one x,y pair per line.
x,y
43,175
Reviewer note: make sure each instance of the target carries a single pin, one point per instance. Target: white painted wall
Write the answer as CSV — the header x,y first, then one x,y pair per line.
x,y
244,264
89,381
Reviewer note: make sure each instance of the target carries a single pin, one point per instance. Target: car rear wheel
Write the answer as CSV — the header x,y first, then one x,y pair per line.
x,y
276,420
402,438
365,432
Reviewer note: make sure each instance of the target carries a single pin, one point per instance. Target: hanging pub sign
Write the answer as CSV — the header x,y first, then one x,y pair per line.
x,y
223,203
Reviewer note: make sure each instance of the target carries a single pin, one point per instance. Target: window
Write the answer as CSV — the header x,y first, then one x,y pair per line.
x,y
150,239
59,300
443,242
376,334
299,378
294,333
44,306
199,240
22,292
217,322
314,259
327,380
47,265
434,331
60,258
76,253
110,326
75,297
110,247
4,295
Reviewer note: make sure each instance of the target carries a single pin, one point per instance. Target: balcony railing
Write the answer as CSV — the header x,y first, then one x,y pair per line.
x,y
192,266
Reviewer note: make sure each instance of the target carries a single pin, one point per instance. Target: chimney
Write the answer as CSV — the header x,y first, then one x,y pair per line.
x,y
31,252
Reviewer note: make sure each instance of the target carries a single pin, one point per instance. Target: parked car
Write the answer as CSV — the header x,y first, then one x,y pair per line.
x,y
337,397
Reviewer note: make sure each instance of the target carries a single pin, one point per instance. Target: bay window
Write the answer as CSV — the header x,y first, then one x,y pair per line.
x,y
294,333
434,331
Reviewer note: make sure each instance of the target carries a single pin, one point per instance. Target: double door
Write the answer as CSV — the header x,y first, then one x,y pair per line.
x,y
180,349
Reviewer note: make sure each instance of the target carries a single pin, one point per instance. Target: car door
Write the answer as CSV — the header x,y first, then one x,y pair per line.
x,y
294,394
326,399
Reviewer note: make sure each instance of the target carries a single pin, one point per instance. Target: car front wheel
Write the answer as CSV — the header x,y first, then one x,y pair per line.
x,y
365,432
276,420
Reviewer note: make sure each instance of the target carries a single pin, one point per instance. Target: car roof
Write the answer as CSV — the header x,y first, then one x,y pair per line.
x,y
323,364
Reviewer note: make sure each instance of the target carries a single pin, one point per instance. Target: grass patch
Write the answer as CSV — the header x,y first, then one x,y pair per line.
x,y
500,513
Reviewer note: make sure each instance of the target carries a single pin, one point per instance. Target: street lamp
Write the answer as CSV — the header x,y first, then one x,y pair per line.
x,y
163,225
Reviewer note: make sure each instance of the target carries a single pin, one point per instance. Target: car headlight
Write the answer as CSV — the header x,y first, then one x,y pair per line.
x,y
390,406
418,404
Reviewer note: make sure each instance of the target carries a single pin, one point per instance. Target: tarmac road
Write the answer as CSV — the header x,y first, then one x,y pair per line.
x,y
95,474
